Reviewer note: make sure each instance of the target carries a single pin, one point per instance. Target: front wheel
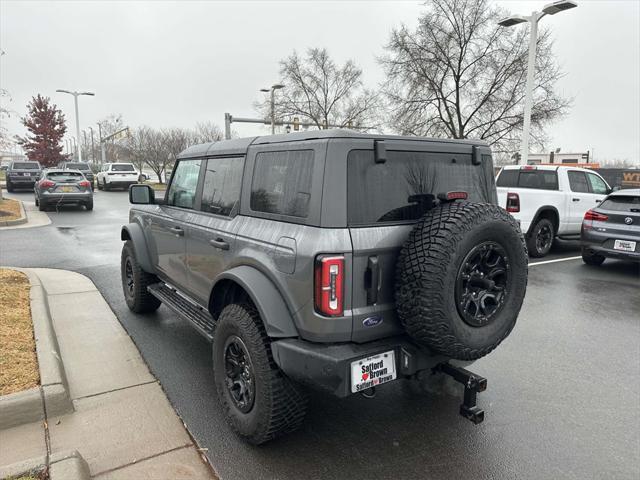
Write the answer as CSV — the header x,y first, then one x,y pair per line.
x,y
540,240
259,401
591,258
135,282
9,187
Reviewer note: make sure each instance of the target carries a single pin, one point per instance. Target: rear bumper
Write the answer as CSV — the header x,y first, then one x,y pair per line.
x,y
22,181
601,243
121,183
328,366
66,198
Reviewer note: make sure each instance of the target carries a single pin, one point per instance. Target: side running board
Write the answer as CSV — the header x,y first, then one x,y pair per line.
x,y
198,316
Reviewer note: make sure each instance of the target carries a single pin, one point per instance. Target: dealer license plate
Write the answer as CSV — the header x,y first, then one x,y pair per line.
x,y
67,189
624,245
373,371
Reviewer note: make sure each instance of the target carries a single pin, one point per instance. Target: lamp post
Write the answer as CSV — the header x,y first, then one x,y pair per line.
x,y
75,147
75,99
533,19
273,89
93,148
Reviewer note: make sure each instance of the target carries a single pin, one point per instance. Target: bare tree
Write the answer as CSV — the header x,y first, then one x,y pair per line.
x,y
460,75
319,91
206,132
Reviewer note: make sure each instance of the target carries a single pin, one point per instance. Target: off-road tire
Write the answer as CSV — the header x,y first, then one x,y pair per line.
x,y
592,258
533,245
428,270
139,300
280,404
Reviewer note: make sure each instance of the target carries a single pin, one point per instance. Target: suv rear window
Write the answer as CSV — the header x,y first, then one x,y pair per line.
x,y
395,191
282,182
77,166
65,176
122,168
538,179
622,203
26,166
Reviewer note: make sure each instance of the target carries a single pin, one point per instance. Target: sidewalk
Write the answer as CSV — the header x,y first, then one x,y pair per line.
x,y
123,425
35,218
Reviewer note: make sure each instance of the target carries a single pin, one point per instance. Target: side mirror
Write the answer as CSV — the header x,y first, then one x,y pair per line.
x,y
141,195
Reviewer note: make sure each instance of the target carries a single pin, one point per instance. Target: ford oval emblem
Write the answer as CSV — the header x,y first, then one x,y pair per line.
x,y
628,220
372,321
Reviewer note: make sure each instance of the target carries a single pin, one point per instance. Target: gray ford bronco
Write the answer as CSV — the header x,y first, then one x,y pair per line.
x,y
329,259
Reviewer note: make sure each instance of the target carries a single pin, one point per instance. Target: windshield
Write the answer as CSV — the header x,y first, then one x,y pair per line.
x,y
402,188
122,167
26,166
77,166
65,176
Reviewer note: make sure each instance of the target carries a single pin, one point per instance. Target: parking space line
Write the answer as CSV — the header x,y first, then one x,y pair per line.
x,y
556,260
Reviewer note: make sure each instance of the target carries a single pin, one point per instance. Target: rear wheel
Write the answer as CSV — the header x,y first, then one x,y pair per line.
x,y
461,279
591,258
9,187
540,240
259,401
89,205
135,282
42,206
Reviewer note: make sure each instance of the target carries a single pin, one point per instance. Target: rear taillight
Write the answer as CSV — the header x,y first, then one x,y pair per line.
x,y
513,202
84,183
329,285
591,217
47,184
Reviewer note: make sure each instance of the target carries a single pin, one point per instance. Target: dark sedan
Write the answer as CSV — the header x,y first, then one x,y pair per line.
x,y
57,187
612,230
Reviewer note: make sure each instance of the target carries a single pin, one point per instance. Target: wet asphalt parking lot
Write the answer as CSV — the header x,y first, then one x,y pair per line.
x,y
563,397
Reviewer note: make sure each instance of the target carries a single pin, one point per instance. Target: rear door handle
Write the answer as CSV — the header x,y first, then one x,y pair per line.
x,y
219,243
598,200
373,274
177,231
575,199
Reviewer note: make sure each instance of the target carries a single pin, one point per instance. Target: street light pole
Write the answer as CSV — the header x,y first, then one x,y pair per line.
x,y
75,100
273,89
533,19
93,148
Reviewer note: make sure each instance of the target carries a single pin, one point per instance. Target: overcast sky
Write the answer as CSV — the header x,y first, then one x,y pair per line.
x,y
168,64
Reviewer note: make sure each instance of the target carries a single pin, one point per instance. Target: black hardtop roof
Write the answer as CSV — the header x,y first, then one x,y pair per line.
x,y
239,146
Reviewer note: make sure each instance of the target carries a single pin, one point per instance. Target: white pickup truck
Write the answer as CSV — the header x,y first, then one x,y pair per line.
x,y
549,201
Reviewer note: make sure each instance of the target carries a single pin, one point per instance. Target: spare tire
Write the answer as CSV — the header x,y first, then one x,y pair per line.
x,y
461,278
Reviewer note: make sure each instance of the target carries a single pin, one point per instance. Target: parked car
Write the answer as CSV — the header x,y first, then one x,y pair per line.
x,y
612,229
57,187
549,201
332,259
22,175
4,168
85,168
116,175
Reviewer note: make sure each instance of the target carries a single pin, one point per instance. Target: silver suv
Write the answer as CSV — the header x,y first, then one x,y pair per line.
x,y
329,259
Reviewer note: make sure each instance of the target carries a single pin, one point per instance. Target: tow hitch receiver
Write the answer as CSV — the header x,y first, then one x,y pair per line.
x,y
473,384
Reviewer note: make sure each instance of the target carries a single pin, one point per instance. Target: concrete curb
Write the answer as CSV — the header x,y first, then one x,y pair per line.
x,y
53,393
18,221
62,466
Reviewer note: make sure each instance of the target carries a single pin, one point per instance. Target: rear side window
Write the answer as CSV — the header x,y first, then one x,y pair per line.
x,y
122,168
26,166
282,183
578,182
221,190
622,203
400,189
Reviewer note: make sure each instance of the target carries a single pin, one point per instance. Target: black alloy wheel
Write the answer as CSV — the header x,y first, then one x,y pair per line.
x,y
129,278
544,237
481,285
240,376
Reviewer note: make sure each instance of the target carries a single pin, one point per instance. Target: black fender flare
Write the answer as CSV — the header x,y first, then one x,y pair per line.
x,y
539,212
275,314
133,232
